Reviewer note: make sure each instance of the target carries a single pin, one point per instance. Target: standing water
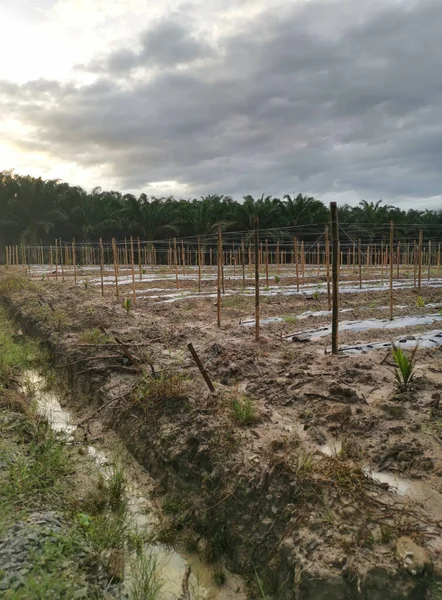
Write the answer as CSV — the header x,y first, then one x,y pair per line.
x,y
171,564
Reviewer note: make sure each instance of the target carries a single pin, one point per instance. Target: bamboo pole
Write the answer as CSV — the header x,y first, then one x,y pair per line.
x,y
132,262
335,276
415,264
102,267
382,262
303,262
257,279
139,259
74,260
429,260
115,256
199,263
438,259
327,266
61,261
218,255
56,259
277,258
175,262
267,263
295,244
391,267
183,257
398,259
419,272
243,255
319,258
360,263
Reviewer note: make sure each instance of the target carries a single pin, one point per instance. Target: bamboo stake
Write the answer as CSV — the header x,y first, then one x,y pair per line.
x,y
115,255
256,279
302,262
102,267
335,276
199,263
382,262
429,260
175,261
391,268
295,245
74,260
61,261
219,276
277,258
267,263
56,260
398,258
415,264
327,267
360,263
132,261
139,259
319,259
243,254
419,273
183,257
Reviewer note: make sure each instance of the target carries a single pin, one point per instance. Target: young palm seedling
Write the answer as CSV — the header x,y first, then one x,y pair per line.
x,y
127,304
404,371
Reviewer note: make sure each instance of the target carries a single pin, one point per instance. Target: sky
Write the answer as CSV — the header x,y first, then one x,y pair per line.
x,y
340,99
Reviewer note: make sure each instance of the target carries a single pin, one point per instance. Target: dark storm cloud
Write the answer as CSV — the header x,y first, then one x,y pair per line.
x,y
317,97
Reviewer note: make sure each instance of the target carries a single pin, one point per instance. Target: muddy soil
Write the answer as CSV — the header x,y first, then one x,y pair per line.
x,y
316,492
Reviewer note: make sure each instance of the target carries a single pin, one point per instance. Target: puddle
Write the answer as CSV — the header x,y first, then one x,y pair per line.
x,y
398,484
171,564
331,448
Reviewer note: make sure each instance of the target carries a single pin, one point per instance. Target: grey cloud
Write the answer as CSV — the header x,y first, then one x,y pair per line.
x,y
168,44
317,97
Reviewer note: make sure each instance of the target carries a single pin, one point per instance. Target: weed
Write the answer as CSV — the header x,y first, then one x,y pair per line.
x,y
373,304
289,319
162,393
243,411
277,279
404,372
127,304
218,575
315,295
420,302
13,283
146,582
85,284
93,336
304,465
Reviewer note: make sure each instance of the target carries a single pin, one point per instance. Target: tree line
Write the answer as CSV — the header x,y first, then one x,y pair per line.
x,y
34,211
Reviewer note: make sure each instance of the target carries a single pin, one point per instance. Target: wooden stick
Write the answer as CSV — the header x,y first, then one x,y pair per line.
x,y
335,276
183,257
219,276
74,260
257,279
199,263
419,273
61,261
327,267
398,258
360,263
243,255
132,260
267,263
429,260
295,246
200,367
102,267
175,261
302,262
56,260
115,256
139,259
391,268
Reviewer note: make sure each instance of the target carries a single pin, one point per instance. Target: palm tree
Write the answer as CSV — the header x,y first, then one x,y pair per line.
x,y
151,219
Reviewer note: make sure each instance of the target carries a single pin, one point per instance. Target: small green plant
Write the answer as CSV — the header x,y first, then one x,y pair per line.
x,y
315,295
93,336
373,304
243,411
146,581
127,304
277,279
289,319
420,302
85,284
404,372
